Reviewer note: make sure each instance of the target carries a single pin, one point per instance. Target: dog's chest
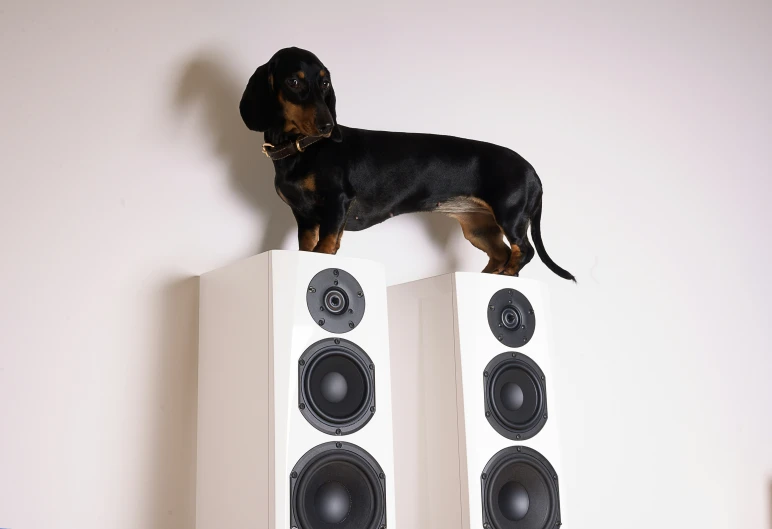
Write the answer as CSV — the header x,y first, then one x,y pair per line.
x,y
299,192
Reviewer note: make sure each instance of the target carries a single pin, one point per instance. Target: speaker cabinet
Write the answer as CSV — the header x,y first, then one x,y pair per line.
x,y
294,410
474,406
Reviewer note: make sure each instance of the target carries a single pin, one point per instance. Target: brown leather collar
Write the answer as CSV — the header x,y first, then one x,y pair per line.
x,y
290,148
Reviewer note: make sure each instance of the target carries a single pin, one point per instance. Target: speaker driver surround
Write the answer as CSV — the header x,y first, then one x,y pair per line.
x,y
520,491
335,300
511,317
336,386
338,486
515,396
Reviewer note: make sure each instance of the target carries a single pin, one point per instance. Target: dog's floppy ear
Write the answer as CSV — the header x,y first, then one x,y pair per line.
x,y
336,134
259,108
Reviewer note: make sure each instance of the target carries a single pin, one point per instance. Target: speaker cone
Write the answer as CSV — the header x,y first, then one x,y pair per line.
x,y
338,486
511,317
336,386
335,300
515,396
520,491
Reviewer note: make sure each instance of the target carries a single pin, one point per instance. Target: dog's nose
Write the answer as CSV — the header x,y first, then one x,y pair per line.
x,y
325,128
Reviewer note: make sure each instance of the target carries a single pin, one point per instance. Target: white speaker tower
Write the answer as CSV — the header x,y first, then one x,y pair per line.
x,y
476,435
294,412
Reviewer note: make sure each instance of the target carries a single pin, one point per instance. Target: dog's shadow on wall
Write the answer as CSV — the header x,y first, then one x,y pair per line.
x,y
207,85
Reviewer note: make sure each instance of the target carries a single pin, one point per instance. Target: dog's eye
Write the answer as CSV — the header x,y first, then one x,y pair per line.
x,y
293,83
325,84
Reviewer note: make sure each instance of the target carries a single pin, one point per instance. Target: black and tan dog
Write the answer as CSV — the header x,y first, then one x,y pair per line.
x,y
337,178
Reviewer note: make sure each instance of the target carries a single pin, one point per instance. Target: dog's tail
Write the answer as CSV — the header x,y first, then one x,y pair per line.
x,y
539,244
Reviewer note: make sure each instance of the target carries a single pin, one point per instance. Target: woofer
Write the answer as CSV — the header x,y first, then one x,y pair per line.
x,y
338,486
336,386
511,317
335,300
515,396
520,491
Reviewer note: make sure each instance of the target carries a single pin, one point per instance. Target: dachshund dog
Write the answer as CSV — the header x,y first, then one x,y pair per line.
x,y
336,178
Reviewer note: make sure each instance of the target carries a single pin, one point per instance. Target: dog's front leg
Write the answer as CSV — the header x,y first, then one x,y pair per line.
x,y
308,233
331,226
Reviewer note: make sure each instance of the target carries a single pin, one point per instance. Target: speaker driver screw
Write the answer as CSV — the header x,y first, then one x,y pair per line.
x,y
302,406
518,436
485,476
338,445
337,431
372,409
501,338
312,290
485,374
294,475
371,366
321,322
302,362
335,282
359,294
351,311
491,307
487,414
382,475
337,341
351,325
335,273
518,449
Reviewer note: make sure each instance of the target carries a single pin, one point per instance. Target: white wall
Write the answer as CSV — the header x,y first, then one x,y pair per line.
x,y
126,172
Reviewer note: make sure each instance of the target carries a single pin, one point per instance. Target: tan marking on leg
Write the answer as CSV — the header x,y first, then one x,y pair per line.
x,y
485,234
513,265
308,239
327,244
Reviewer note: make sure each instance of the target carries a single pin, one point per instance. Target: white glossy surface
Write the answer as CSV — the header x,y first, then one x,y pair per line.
x,y
441,342
268,434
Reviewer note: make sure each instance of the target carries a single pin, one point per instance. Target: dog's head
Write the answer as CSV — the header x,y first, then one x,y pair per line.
x,y
291,93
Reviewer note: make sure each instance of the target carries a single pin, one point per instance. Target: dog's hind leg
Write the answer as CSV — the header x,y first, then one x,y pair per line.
x,y
516,230
485,234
